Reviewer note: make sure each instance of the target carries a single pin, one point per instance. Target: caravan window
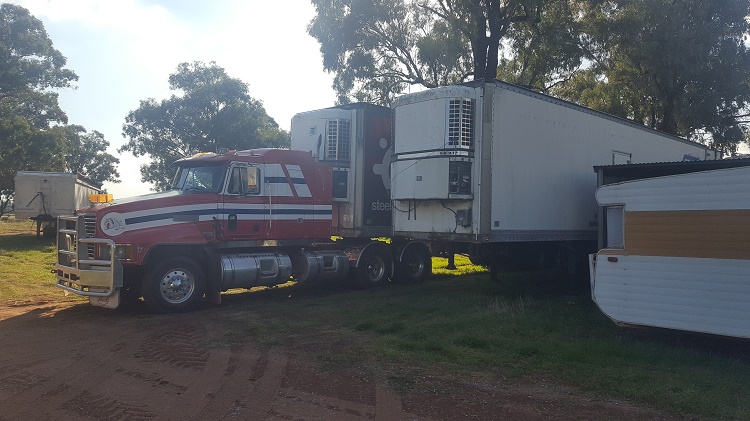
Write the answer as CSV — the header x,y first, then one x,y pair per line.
x,y
615,231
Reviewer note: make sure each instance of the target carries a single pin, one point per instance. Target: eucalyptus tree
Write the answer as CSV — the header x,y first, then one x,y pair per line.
x,y
32,125
209,111
681,67
378,48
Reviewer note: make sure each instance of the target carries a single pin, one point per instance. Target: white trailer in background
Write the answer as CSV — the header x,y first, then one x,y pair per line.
x,y
675,251
43,196
503,173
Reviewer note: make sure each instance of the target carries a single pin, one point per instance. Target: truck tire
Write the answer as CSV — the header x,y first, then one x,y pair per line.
x,y
375,266
415,265
174,285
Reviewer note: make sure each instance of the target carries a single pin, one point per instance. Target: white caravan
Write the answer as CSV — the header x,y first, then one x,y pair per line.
x,y
675,252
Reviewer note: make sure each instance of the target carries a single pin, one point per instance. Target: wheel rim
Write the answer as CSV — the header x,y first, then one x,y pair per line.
x,y
375,269
415,266
177,286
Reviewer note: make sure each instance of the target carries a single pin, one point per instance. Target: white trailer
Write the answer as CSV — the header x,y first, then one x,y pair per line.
x,y
43,196
503,173
675,252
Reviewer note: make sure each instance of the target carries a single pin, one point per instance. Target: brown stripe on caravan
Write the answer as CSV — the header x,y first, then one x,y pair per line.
x,y
722,234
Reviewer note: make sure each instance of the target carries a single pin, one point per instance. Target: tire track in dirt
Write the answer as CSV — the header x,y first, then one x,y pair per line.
x,y
201,371
63,385
148,368
387,405
237,378
106,409
87,364
176,347
258,402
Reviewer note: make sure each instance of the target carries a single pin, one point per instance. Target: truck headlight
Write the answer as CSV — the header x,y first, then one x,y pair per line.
x,y
122,252
126,251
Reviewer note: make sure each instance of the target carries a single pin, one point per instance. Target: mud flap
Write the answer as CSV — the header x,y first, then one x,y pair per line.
x,y
111,302
592,274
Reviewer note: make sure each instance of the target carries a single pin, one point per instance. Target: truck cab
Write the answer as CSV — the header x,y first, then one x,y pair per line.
x,y
230,220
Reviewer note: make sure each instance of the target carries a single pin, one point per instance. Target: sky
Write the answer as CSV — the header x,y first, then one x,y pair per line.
x,y
123,51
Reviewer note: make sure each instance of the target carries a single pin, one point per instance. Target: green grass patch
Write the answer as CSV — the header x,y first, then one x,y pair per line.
x,y
517,329
26,263
463,267
10,225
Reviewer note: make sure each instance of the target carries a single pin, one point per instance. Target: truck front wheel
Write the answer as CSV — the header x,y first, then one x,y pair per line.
x,y
174,285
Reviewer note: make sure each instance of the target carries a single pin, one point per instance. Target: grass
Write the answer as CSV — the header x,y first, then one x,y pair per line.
x,y
463,267
26,263
529,326
11,225
516,329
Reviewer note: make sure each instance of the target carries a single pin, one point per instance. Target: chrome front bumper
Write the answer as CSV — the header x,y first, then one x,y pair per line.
x,y
76,269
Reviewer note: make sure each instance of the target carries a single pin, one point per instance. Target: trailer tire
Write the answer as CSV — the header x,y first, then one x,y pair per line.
x,y
375,266
177,284
415,264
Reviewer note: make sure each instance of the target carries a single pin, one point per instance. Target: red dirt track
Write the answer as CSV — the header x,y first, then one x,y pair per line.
x,y
83,363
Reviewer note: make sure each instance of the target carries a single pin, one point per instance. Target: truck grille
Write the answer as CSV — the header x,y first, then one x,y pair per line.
x,y
90,225
90,232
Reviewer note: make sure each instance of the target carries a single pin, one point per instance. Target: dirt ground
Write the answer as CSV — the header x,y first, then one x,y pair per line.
x,y
77,362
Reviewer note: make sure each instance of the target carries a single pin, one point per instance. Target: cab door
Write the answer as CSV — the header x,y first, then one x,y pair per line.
x,y
245,209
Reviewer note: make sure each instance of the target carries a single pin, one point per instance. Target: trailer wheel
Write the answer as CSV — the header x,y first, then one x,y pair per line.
x,y
416,264
174,285
375,266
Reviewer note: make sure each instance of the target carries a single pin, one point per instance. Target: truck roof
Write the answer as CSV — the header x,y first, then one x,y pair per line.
x,y
262,155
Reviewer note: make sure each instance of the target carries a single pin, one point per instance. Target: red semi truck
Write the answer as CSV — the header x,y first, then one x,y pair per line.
x,y
491,170
241,219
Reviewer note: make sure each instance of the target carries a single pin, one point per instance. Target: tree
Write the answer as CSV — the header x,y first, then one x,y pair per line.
x,y
86,154
211,111
377,48
547,54
681,67
33,127
29,67
25,147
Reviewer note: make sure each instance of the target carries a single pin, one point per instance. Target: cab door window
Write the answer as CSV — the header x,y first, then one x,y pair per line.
x,y
244,180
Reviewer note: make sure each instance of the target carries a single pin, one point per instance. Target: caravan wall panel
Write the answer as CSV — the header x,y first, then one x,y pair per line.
x,y
685,261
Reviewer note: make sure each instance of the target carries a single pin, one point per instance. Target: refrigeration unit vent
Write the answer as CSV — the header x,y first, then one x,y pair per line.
x,y
461,123
338,138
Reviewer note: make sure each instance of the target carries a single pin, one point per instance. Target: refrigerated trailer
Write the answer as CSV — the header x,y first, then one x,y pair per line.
x,y
674,249
503,173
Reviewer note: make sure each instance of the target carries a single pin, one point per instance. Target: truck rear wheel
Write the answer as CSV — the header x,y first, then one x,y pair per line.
x,y
174,285
416,264
375,266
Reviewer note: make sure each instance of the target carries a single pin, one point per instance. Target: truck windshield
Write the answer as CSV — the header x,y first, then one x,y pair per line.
x,y
199,179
